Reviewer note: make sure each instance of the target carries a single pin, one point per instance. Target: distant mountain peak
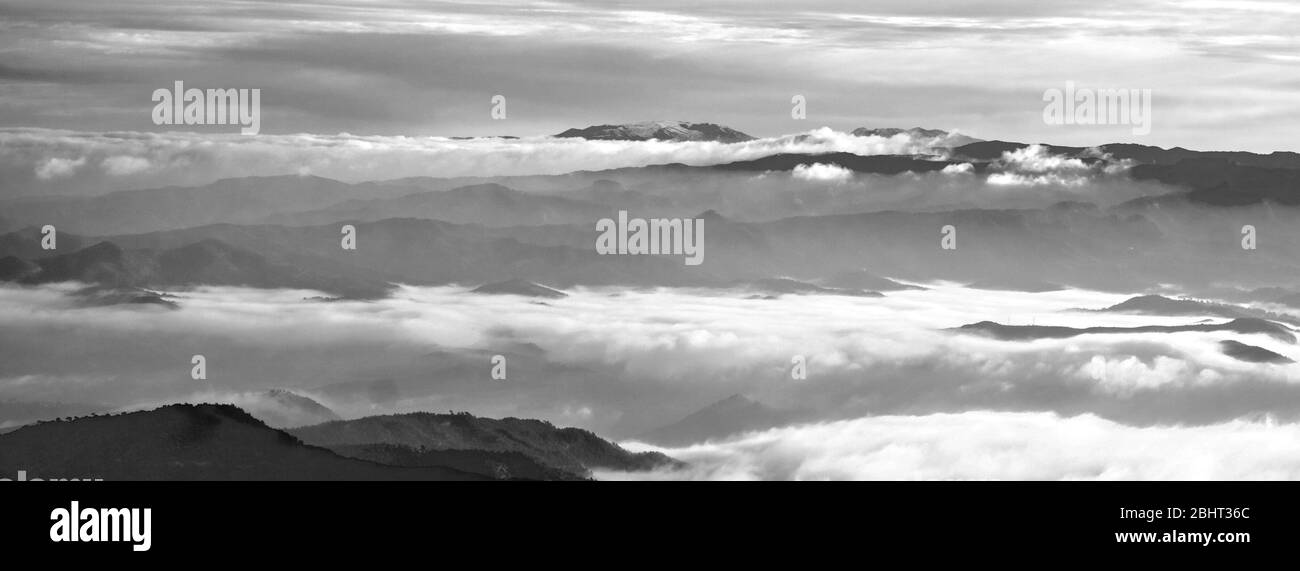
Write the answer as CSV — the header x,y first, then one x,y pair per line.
x,y
734,414
659,130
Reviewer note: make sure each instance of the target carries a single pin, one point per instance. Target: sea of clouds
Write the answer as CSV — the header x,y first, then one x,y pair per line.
x,y
622,362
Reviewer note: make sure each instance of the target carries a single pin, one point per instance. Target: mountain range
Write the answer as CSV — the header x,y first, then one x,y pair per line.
x,y
1064,245
659,130
223,442
187,442
572,450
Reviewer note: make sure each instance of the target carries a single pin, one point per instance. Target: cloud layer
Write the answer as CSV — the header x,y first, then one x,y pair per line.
x,y
39,161
982,445
623,362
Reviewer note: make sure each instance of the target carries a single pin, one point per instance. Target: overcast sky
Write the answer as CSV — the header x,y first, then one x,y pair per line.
x,y
1224,75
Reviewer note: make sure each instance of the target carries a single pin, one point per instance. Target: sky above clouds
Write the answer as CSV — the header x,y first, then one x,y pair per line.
x,y
1223,74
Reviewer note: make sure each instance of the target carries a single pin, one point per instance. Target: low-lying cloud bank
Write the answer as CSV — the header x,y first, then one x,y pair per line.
x,y
38,161
622,362
982,445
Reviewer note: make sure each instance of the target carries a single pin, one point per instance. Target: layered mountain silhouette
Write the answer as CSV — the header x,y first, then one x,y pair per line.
x,y
188,442
1212,178
572,450
659,130
545,234
1060,246
1160,305
1145,154
206,261
729,416
237,201
223,442
1206,178
1221,182
283,408
487,204
432,252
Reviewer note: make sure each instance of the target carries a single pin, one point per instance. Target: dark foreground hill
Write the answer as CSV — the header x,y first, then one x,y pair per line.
x,y
572,450
187,442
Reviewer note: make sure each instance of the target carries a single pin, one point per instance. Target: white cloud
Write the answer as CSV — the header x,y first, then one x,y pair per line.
x,y
960,168
125,165
639,358
1034,165
818,172
161,159
58,167
992,445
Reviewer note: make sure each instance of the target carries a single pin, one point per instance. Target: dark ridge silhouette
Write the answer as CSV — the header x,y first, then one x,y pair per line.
x,y
1219,182
875,164
1213,178
14,269
187,442
1251,354
1246,325
102,296
1156,155
104,263
519,287
659,130
573,450
204,262
25,243
430,252
1160,305
1144,154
